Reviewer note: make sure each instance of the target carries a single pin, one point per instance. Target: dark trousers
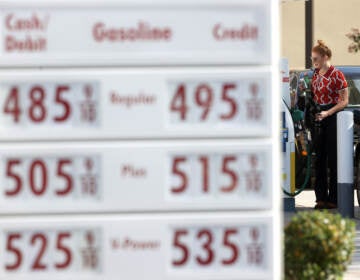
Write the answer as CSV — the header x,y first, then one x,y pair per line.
x,y
325,147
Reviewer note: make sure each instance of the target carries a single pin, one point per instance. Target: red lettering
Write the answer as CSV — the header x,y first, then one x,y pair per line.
x,y
34,22
216,32
140,245
8,21
131,171
28,43
97,34
130,100
142,32
246,32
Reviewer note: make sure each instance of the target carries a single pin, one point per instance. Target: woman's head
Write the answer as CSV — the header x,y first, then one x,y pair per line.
x,y
320,55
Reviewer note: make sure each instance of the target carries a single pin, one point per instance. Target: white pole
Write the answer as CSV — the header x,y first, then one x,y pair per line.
x,y
345,152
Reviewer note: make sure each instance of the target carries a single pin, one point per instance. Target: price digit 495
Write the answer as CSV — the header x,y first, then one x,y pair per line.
x,y
203,98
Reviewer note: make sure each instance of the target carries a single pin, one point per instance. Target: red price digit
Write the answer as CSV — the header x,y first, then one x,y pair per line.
x,y
204,98
38,184
178,104
39,241
179,173
207,235
231,101
59,99
11,105
67,177
231,246
37,110
231,173
38,165
205,238
42,240
205,173
10,173
181,246
204,162
10,247
64,249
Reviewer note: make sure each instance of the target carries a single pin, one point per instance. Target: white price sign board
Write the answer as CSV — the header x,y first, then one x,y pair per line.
x,y
108,177
123,104
128,32
168,247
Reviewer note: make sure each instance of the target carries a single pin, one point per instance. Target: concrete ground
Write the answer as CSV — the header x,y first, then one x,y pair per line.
x,y
305,202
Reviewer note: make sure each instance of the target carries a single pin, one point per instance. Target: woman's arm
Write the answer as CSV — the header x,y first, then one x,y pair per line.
x,y
343,102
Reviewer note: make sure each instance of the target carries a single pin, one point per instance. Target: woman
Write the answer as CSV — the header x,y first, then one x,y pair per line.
x,y
331,93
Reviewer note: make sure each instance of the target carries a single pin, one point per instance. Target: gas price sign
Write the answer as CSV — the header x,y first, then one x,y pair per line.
x,y
139,140
115,104
107,177
121,33
202,246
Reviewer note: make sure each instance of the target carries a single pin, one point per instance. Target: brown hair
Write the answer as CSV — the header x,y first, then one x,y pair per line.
x,y
322,49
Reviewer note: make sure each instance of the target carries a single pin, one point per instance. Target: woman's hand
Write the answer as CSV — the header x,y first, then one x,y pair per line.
x,y
322,115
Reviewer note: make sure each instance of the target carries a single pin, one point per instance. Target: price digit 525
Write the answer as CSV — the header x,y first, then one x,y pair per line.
x,y
17,246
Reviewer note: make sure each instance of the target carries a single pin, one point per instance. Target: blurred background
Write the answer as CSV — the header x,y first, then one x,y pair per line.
x,y
331,21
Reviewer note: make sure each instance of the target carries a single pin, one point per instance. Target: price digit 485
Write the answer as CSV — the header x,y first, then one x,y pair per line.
x,y
37,111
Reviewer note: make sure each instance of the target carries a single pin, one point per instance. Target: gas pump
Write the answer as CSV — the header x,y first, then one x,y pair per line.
x,y
287,138
288,158
295,140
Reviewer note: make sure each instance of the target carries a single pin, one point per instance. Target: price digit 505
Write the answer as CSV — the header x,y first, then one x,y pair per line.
x,y
40,187
50,176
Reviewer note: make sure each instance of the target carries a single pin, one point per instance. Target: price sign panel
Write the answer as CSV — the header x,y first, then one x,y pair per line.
x,y
46,33
108,177
59,105
220,246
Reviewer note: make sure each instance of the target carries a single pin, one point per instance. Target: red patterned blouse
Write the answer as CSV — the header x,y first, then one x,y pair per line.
x,y
326,87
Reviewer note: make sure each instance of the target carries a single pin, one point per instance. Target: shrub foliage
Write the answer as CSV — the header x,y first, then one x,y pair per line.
x,y
318,246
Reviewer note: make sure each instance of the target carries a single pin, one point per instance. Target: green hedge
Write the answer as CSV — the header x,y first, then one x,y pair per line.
x,y
318,246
